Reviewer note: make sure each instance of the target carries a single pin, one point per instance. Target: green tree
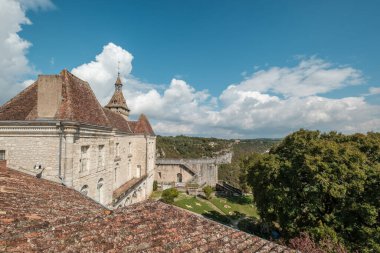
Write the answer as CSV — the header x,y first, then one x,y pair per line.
x,y
169,195
324,184
208,191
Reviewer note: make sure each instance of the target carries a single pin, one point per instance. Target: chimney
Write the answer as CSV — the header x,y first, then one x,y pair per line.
x,y
49,95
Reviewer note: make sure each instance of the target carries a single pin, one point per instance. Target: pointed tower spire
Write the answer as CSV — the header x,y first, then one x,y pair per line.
x,y
117,102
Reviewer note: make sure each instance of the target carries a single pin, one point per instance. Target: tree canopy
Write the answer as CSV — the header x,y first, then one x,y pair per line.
x,y
324,184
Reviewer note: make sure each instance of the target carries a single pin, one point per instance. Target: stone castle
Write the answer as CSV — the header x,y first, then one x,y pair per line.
x,y
57,130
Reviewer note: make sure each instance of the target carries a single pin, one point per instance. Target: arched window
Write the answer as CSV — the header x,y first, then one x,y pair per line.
x,y
100,191
116,171
84,190
179,178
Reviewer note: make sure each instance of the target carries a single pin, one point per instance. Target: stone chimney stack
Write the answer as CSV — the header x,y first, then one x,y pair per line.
x,y
49,95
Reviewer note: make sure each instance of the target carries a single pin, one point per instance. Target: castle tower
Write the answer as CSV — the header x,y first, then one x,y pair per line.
x,y
117,102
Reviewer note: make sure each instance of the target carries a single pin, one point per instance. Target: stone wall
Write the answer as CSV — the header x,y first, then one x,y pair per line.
x,y
55,152
167,173
200,171
32,150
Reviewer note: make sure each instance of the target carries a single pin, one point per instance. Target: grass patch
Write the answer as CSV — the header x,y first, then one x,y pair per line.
x,y
156,195
229,206
192,204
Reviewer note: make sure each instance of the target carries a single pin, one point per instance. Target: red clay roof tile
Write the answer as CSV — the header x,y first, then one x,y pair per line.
x,y
78,104
38,215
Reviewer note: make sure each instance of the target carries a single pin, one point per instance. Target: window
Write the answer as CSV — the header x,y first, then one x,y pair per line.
x,y
84,161
100,191
2,155
101,157
84,190
117,149
179,178
116,171
129,172
138,171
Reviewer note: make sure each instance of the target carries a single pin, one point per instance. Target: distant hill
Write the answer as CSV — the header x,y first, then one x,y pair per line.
x,y
197,147
190,147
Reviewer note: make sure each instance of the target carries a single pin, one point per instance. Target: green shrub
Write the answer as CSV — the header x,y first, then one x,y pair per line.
x,y
155,185
169,195
208,191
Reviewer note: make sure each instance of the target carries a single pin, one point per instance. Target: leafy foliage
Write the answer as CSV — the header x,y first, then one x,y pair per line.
x,y
236,172
169,195
324,184
190,147
186,147
208,191
155,185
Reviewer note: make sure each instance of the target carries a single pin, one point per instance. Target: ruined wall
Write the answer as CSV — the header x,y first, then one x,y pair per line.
x,y
167,173
200,171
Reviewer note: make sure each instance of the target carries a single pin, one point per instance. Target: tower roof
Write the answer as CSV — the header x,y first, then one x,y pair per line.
x,y
117,100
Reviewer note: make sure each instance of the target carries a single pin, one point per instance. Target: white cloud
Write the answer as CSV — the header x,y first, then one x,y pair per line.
x,y
37,4
311,76
14,65
374,90
247,109
102,72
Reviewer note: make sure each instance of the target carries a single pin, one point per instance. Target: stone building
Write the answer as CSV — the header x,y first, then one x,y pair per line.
x,y
56,129
183,171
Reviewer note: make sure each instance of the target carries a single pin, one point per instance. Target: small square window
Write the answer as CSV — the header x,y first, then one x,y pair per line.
x,y
2,155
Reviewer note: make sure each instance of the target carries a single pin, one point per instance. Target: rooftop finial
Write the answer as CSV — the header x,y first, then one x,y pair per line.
x,y
118,68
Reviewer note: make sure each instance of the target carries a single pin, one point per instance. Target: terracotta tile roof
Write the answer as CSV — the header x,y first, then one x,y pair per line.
x,y
77,98
117,100
117,121
143,126
19,107
38,215
78,104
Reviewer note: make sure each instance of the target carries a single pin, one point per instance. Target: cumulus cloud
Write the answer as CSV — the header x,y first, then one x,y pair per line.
x,y
311,76
374,90
270,102
102,72
14,65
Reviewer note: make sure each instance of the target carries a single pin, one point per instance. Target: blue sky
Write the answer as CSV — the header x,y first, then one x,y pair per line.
x,y
318,59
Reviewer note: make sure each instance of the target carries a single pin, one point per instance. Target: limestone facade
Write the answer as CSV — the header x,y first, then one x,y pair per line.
x,y
105,155
184,171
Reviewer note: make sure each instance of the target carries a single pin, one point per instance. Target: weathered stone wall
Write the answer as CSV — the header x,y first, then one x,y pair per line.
x,y
90,177
167,173
59,146
200,171
27,148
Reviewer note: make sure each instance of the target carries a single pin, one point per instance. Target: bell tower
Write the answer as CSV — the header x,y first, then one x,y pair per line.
x,y
117,102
